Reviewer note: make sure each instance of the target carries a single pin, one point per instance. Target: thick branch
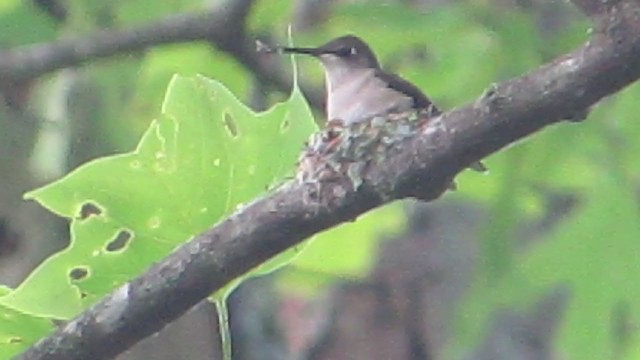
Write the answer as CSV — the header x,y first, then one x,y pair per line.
x,y
421,166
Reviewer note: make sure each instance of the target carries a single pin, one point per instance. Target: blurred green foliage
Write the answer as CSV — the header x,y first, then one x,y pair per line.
x,y
452,51
21,25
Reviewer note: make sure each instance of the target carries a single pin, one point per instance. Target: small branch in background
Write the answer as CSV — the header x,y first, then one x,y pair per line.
x,y
223,27
35,60
421,166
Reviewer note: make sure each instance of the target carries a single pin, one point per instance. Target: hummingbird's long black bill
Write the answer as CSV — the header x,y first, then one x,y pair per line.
x,y
262,47
296,50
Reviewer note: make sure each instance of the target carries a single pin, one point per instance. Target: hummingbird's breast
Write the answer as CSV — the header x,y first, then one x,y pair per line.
x,y
358,94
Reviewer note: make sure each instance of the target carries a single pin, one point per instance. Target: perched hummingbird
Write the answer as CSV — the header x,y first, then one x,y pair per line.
x,y
358,88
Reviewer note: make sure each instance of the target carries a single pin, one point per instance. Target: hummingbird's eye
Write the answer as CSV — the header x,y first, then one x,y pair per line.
x,y
345,52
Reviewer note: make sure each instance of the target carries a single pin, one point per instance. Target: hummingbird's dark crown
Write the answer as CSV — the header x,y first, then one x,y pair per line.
x,y
351,48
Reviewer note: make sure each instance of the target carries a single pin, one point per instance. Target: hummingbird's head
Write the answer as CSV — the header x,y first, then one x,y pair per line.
x,y
347,51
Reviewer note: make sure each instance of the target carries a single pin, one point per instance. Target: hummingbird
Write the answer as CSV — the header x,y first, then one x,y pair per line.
x,y
358,89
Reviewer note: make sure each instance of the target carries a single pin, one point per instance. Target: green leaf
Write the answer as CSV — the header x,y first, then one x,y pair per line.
x,y
18,330
190,59
204,156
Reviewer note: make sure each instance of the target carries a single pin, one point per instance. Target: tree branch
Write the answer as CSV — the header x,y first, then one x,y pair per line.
x,y
419,166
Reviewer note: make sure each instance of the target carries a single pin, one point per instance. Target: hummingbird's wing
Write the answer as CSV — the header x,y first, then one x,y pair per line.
x,y
420,100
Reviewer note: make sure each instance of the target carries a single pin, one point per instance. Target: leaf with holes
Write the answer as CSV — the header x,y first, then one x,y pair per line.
x,y
206,155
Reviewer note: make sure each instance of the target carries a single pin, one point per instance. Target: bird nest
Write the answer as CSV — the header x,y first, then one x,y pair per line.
x,y
347,150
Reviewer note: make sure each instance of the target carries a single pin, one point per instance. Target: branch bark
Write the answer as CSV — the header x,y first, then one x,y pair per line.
x,y
420,166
